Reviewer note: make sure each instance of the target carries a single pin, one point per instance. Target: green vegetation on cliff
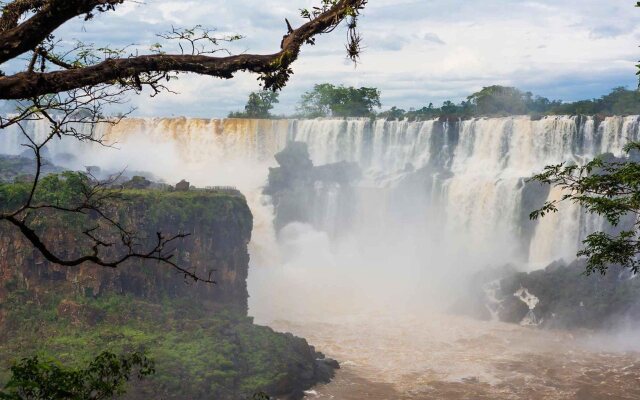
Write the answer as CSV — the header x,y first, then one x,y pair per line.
x,y
37,378
68,189
198,353
199,335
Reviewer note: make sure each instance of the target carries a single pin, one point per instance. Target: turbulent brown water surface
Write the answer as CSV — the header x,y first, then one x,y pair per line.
x,y
446,357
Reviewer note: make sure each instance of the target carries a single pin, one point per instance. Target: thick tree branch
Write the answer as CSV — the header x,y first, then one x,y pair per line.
x,y
13,11
70,90
50,15
28,84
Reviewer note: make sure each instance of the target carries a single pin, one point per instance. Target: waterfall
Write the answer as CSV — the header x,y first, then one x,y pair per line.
x,y
455,185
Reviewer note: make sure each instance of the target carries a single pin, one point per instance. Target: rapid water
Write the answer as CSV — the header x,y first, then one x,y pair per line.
x,y
435,356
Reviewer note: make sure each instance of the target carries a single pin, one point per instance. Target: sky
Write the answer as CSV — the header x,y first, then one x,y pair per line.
x,y
416,51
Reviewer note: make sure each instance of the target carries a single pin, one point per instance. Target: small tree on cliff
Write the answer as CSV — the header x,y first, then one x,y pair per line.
x,y
70,87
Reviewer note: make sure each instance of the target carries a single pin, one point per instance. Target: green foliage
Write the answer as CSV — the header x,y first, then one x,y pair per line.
x,y
310,14
176,210
424,113
64,190
13,195
490,101
259,105
198,352
47,379
327,100
608,187
582,107
393,113
351,13
505,101
494,100
620,101
169,212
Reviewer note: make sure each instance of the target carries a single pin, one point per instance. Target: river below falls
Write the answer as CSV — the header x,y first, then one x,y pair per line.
x,y
444,357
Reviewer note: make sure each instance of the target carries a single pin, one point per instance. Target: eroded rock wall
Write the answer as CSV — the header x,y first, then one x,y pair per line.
x,y
219,228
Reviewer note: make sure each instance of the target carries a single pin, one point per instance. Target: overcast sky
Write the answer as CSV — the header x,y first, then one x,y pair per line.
x,y
417,51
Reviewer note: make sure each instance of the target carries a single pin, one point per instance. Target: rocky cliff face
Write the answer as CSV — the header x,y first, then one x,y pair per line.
x,y
200,336
219,228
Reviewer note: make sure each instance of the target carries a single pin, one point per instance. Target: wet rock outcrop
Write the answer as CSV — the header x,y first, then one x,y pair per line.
x,y
302,192
559,296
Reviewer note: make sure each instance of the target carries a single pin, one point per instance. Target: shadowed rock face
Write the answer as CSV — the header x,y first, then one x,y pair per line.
x,y
219,227
300,190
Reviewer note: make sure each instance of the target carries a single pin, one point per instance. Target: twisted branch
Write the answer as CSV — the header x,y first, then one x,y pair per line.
x,y
273,67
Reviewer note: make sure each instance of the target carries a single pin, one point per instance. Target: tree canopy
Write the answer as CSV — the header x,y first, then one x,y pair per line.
x,y
46,379
620,101
608,187
327,100
259,105
498,99
501,101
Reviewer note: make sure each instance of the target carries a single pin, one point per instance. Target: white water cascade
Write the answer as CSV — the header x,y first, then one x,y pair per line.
x,y
447,194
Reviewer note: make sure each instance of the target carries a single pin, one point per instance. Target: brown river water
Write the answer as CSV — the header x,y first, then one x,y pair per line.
x,y
446,357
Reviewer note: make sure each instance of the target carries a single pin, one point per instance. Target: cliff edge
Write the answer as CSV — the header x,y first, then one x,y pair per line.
x,y
200,336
